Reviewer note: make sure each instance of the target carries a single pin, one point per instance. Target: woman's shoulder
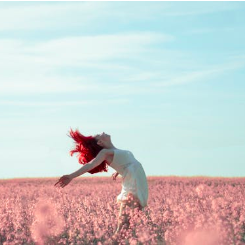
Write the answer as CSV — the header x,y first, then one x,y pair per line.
x,y
110,154
109,151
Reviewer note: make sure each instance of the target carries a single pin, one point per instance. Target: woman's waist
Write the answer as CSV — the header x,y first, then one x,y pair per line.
x,y
131,166
122,168
132,163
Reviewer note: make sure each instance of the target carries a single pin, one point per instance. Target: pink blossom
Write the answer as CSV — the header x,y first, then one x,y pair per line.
x,y
180,211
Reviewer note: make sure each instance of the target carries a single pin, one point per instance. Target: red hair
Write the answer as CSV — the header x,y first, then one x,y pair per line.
x,y
87,149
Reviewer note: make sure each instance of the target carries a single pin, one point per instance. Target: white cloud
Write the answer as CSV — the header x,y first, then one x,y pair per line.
x,y
35,68
201,8
42,84
32,69
196,76
210,30
99,47
62,103
43,15
60,15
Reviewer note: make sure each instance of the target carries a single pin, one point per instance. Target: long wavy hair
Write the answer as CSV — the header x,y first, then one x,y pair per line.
x,y
87,149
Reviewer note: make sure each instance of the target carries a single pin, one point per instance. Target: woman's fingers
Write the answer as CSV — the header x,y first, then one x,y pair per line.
x,y
60,182
114,176
62,185
56,184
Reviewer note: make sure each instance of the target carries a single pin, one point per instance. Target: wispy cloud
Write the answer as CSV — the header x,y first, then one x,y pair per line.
x,y
31,67
209,30
47,15
197,76
62,103
99,47
35,68
201,8
39,84
60,15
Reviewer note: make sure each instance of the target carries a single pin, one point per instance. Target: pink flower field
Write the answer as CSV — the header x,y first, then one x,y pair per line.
x,y
181,211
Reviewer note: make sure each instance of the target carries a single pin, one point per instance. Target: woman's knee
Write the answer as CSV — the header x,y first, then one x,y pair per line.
x,y
133,201
124,217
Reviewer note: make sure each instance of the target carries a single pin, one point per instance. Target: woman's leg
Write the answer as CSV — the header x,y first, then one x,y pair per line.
x,y
126,210
122,218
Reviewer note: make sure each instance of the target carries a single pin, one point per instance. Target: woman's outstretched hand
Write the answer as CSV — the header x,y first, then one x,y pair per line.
x,y
114,176
63,181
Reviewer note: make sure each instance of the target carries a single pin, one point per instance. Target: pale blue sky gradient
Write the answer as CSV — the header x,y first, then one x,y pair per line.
x,y
165,79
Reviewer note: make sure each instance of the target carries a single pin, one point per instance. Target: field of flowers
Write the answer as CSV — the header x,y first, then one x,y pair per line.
x,y
180,211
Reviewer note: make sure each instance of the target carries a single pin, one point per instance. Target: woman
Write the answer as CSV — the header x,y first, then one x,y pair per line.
x,y
96,153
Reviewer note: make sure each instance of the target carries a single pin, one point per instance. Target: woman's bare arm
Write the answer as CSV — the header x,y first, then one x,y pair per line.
x,y
90,165
84,169
66,179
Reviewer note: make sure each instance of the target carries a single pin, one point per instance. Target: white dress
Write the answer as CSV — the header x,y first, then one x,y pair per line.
x,y
133,176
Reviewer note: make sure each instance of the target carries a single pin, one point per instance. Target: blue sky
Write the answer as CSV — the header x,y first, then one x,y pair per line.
x,y
164,79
